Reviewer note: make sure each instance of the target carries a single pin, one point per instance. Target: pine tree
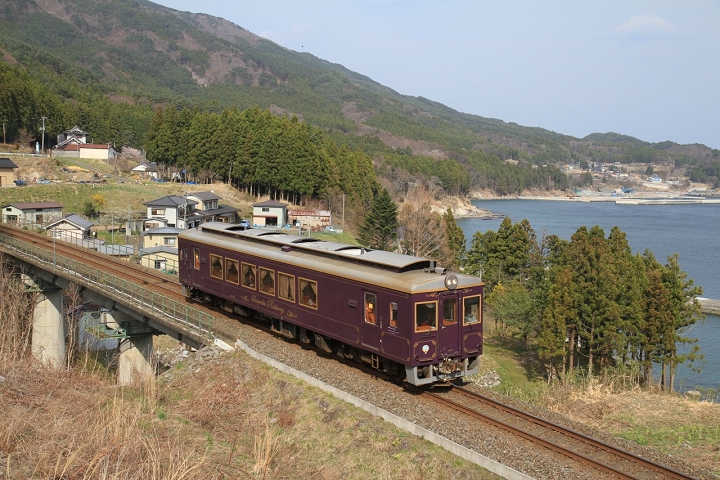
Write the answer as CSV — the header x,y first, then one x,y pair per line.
x,y
455,241
379,231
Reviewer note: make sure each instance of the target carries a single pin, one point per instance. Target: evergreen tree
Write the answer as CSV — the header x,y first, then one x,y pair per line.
x,y
558,318
379,231
685,309
455,241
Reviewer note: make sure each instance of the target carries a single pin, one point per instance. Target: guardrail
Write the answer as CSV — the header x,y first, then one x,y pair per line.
x,y
147,301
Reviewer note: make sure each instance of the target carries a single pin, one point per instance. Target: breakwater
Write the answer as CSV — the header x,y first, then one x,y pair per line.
x,y
710,306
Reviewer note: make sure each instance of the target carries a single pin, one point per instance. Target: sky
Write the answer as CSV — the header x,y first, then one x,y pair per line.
x,y
649,69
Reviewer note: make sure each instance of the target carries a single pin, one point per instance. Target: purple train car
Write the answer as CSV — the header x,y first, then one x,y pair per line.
x,y
398,313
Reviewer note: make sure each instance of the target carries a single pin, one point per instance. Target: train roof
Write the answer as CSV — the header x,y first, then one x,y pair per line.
x,y
379,258
373,265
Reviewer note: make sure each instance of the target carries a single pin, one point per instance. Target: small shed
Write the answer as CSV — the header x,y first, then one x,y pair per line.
x,y
72,227
7,172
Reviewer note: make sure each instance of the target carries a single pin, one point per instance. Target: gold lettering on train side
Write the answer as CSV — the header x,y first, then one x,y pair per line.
x,y
258,301
291,314
432,295
276,307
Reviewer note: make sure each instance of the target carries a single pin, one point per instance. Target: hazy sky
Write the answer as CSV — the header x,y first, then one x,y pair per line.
x,y
650,69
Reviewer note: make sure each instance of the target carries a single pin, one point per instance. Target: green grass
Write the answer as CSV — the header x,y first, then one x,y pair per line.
x,y
520,377
677,435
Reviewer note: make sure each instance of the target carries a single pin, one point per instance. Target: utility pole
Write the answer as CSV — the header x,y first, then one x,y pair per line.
x,y
42,147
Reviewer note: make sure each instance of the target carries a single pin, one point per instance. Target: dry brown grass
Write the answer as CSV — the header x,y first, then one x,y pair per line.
x,y
680,426
228,417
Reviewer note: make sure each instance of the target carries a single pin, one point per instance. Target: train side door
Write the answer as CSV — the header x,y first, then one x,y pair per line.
x,y
449,325
186,262
370,324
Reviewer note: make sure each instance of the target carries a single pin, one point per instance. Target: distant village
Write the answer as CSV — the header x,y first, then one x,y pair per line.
x,y
163,220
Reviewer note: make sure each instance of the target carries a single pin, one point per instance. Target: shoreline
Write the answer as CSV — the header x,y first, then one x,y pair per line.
x,y
640,199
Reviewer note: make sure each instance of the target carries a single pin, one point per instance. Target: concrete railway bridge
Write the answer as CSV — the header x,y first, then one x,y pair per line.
x,y
132,311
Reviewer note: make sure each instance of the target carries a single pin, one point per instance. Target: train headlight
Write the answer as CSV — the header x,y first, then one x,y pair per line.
x,y
451,281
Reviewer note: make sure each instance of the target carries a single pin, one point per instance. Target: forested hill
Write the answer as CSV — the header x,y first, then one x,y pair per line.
x,y
108,65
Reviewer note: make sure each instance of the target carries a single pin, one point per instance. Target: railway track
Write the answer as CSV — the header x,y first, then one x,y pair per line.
x,y
585,450
152,279
611,461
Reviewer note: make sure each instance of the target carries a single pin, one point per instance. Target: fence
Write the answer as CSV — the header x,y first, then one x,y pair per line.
x,y
144,300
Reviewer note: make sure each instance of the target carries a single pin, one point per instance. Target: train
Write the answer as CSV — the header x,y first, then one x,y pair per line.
x,y
399,314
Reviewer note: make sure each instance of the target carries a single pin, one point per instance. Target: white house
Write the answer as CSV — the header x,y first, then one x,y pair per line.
x,y
73,143
172,211
270,213
146,169
209,208
74,229
32,214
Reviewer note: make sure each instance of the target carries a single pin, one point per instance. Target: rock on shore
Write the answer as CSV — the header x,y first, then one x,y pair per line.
x,y
461,208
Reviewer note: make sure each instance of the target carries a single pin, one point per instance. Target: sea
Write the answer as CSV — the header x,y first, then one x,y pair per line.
x,y
692,231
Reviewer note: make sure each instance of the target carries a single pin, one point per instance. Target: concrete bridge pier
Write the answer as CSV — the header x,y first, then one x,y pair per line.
x,y
135,366
48,332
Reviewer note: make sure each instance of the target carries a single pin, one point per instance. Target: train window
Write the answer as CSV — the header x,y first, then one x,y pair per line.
x,y
308,292
286,286
216,266
370,307
471,310
425,316
267,281
196,255
248,275
232,274
449,315
393,314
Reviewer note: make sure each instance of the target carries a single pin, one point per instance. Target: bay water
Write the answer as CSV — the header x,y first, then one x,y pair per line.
x,y
692,231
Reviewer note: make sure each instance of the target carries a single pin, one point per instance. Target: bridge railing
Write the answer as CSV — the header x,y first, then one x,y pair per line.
x,y
155,304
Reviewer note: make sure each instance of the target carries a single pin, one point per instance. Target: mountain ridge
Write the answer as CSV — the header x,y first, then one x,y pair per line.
x,y
150,53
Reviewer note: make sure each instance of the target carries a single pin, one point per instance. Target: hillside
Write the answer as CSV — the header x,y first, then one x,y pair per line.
x,y
107,64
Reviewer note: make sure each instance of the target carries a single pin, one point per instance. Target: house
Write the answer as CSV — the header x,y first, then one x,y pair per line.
x,y
312,219
211,211
172,211
159,250
33,214
7,172
146,170
270,213
73,143
74,229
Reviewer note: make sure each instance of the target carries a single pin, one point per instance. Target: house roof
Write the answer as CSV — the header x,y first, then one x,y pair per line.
x,y
205,196
117,249
158,249
7,163
145,167
75,131
162,231
170,201
221,210
270,203
74,219
34,205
